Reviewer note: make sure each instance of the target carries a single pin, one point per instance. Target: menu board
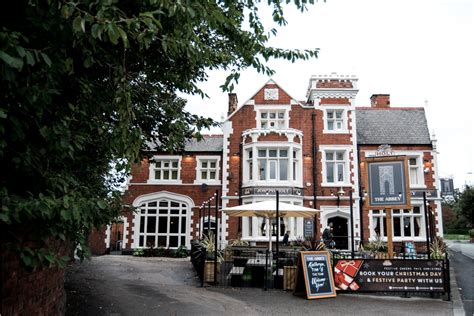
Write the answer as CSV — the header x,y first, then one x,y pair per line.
x,y
315,267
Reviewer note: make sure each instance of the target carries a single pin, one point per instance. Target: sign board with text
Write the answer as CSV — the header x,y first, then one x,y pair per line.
x,y
315,275
388,183
390,275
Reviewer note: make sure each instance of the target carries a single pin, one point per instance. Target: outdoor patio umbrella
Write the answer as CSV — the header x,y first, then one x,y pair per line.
x,y
267,209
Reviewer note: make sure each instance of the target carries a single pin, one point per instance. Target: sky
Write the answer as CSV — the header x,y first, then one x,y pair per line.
x,y
418,51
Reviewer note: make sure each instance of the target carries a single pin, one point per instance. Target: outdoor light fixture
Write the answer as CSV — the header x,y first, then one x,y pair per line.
x,y
340,194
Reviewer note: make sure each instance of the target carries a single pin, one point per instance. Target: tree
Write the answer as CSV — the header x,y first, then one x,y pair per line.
x,y
464,208
88,83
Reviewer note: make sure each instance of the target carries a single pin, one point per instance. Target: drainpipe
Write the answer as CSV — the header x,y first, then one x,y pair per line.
x,y
361,196
314,154
239,230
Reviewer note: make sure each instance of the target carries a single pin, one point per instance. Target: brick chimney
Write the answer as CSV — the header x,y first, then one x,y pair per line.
x,y
233,102
380,100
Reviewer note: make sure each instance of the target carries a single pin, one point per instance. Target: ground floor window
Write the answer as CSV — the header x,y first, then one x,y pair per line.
x,y
256,228
162,224
406,224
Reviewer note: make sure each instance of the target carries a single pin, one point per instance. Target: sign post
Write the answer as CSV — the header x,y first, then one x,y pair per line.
x,y
388,188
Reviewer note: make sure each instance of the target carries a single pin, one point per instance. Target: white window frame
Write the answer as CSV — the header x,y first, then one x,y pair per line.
x,y
419,171
344,129
252,177
412,216
152,168
199,160
347,150
259,109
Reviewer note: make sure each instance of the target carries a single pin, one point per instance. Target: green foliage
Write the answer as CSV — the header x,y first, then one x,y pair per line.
x,y
139,252
437,248
207,244
375,245
464,207
85,86
308,244
471,232
181,252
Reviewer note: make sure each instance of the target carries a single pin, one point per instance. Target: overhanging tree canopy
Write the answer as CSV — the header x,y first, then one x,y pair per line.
x,y
87,83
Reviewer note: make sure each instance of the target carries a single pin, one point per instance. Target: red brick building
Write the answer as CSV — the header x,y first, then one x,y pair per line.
x,y
312,152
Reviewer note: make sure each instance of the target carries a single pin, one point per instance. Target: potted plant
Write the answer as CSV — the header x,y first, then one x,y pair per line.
x,y
438,248
376,247
208,245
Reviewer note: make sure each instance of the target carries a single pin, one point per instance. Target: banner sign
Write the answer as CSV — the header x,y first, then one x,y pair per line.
x,y
390,275
388,183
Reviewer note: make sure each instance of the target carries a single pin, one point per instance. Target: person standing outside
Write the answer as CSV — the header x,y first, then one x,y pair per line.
x,y
286,237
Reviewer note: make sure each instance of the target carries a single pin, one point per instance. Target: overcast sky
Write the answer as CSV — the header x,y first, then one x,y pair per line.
x,y
416,51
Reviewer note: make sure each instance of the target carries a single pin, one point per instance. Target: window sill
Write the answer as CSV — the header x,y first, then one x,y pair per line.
x,y
207,182
343,131
341,184
164,182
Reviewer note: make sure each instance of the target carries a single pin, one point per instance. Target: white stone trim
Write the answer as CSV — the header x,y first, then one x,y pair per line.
x,y
145,198
107,236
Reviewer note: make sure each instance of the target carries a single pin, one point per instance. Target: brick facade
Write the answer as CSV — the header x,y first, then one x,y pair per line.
x,y
243,131
37,292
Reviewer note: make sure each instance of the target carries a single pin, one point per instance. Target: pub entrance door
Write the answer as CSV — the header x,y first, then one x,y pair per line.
x,y
340,231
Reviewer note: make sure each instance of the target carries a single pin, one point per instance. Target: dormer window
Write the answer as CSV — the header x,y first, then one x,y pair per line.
x,y
272,119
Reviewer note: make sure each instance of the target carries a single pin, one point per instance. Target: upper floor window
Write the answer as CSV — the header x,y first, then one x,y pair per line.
x,y
335,120
273,164
272,119
207,169
416,174
165,169
335,166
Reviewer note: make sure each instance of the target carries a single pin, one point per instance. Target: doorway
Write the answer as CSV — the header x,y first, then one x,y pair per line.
x,y
340,231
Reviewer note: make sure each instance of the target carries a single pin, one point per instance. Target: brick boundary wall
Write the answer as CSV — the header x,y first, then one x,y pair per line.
x,y
38,292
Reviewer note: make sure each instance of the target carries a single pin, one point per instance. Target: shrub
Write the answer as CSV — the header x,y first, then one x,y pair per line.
x,y
181,252
139,252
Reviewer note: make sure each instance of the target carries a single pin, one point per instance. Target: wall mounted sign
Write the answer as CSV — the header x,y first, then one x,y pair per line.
x,y
315,275
272,191
388,183
396,275
384,151
308,228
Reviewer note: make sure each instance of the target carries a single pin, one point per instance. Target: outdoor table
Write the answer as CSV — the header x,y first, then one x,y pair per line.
x,y
257,268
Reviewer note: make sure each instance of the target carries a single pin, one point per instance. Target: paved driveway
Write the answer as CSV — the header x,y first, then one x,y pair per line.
x,y
125,285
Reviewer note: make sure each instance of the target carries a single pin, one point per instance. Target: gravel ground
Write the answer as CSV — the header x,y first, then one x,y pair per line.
x,y
125,285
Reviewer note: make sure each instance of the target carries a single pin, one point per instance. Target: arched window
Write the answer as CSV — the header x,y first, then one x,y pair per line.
x,y
162,223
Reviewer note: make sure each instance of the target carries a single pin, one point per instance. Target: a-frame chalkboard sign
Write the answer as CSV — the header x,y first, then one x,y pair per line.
x,y
314,275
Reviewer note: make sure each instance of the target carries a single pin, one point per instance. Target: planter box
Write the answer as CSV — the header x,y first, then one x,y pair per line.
x,y
209,271
289,278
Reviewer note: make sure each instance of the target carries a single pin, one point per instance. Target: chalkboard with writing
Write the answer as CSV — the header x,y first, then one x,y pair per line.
x,y
315,267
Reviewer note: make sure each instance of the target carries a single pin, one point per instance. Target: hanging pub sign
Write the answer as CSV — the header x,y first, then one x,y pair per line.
x,y
314,275
388,183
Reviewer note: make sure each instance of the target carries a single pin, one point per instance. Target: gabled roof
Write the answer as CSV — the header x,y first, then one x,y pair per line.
x,y
392,126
